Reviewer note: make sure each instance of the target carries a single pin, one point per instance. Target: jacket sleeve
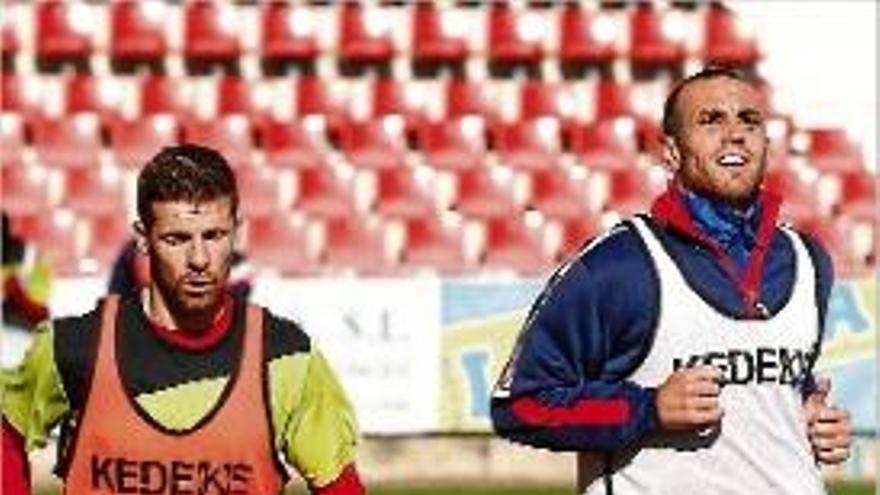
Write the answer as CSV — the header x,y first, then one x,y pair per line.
x,y
565,386
320,436
16,469
34,398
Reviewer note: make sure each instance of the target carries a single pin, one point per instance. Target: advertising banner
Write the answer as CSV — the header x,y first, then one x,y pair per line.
x,y
380,336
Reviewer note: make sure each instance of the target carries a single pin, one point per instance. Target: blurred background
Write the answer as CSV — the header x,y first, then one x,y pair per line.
x,y
445,155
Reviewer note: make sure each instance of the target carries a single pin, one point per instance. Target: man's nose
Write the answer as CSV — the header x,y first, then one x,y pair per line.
x,y
198,257
735,133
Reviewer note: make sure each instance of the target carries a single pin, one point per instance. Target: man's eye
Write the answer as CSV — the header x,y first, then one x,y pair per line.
x,y
214,235
175,240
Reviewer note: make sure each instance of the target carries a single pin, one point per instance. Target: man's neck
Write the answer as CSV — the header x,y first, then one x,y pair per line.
x,y
162,315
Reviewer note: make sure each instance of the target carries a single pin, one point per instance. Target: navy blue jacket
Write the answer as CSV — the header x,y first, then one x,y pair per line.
x,y
566,387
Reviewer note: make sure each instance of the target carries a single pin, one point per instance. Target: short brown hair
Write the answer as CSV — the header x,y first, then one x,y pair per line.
x,y
671,120
185,172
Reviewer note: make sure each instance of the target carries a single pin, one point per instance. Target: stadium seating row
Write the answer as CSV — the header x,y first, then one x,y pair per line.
x,y
429,34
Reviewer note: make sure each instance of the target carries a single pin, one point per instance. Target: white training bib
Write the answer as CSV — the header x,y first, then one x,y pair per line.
x,y
761,447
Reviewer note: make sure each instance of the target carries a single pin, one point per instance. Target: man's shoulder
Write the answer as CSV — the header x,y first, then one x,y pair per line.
x,y
618,248
77,326
616,255
817,251
284,336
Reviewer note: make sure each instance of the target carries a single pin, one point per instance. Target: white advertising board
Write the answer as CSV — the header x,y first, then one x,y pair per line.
x,y
382,338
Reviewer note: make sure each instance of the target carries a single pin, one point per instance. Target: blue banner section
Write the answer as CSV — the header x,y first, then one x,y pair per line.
x,y
464,300
849,350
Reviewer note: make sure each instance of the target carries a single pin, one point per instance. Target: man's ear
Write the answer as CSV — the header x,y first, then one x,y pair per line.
x,y
236,233
140,236
671,155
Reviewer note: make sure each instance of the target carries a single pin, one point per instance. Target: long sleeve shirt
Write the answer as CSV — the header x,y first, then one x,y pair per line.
x,y
565,386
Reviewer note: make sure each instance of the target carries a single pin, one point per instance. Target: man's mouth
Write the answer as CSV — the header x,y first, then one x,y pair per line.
x,y
198,286
732,160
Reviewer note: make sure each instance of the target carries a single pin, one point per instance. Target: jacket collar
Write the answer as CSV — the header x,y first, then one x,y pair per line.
x,y
670,211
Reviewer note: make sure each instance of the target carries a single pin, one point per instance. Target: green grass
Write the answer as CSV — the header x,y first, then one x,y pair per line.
x,y
836,489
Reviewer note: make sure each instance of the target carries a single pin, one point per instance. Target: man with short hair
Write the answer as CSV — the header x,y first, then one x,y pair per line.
x,y
675,353
184,388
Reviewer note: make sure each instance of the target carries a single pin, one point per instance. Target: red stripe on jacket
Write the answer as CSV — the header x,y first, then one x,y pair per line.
x,y
587,412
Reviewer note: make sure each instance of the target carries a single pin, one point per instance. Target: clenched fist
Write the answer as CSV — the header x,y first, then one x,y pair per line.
x,y
828,428
689,399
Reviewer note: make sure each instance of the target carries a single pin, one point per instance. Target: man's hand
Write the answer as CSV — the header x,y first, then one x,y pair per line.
x,y
828,428
688,399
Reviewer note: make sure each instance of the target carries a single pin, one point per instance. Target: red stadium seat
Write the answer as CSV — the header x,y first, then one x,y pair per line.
x,y
232,136
479,195
321,194
453,144
614,100
88,191
429,244
510,244
63,33
606,145
314,96
800,198
631,191
88,94
399,195
393,97
374,144
259,191
134,142
108,233
235,95
465,97
831,150
556,195
576,232
9,41
160,94
12,140
579,40
288,34
650,46
292,145
351,244
364,35
531,145
59,237
277,242
723,44
137,33
25,191
210,34
432,43
543,99
858,199
514,37
68,142
10,93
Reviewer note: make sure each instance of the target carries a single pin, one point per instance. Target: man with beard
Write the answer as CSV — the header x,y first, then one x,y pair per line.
x,y
675,353
183,388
